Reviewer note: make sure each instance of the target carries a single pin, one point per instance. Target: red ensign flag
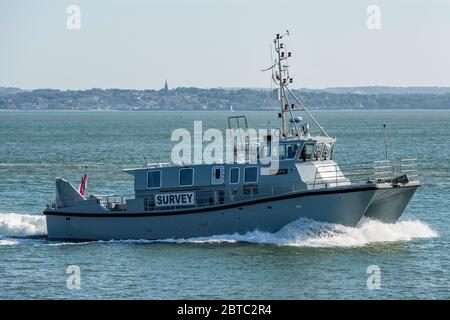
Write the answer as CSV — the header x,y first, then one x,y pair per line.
x,y
82,188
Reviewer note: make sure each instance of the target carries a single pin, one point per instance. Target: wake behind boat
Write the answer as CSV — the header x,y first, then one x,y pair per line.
x,y
269,182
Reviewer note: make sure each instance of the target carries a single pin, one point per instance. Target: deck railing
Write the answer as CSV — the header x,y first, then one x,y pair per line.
x,y
332,175
410,168
218,197
159,165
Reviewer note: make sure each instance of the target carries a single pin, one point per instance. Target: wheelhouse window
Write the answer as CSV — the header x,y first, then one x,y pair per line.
x,y
287,151
326,153
291,150
281,152
319,152
265,150
154,179
251,174
307,152
186,177
234,175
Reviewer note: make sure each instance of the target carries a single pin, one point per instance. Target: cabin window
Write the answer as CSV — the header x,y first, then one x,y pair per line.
x,y
251,174
307,152
234,175
186,177
217,175
154,179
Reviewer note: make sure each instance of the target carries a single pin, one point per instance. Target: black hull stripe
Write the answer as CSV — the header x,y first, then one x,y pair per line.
x,y
216,208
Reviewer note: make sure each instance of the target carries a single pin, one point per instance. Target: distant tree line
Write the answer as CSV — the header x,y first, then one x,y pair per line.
x,y
209,99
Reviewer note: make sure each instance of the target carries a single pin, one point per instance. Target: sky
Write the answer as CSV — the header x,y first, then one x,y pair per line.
x,y
137,44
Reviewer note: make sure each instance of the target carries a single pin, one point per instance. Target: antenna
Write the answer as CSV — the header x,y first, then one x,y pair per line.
x,y
282,78
271,61
385,141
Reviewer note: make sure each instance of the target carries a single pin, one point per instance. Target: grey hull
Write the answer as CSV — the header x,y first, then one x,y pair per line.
x,y
389,204
344,207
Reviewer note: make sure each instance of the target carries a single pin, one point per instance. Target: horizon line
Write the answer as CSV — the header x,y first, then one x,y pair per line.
x,y
229,88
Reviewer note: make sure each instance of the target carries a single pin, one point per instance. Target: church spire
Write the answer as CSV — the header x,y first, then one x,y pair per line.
x,y
166,86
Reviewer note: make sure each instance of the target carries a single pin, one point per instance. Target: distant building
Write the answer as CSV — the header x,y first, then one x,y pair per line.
x,y
166,86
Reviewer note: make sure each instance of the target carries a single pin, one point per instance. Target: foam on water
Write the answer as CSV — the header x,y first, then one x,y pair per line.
x,y
310,233
22,225
300,233
7,242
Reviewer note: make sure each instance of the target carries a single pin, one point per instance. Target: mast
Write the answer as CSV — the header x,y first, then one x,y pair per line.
x,y
278,46
281,77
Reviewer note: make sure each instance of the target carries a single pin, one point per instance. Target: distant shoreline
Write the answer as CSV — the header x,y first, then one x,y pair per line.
x,y
211,111
196,99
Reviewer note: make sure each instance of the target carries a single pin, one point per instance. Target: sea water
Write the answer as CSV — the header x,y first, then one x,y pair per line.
x,y
304,260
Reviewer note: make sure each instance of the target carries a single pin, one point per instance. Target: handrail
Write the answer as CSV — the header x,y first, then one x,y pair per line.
x,y
410,168
217,197
381,170
159,164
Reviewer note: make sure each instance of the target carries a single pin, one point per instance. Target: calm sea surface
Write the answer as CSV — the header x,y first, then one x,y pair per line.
x,y
304,260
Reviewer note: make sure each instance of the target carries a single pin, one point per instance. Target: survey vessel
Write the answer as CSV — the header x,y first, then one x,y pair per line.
x,y
185,200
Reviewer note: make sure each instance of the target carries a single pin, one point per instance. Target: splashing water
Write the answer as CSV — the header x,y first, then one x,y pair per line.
x,y
310,233
22,225
300,233
7,242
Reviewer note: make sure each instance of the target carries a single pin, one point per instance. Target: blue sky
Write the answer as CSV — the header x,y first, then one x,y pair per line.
x,y
217,43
